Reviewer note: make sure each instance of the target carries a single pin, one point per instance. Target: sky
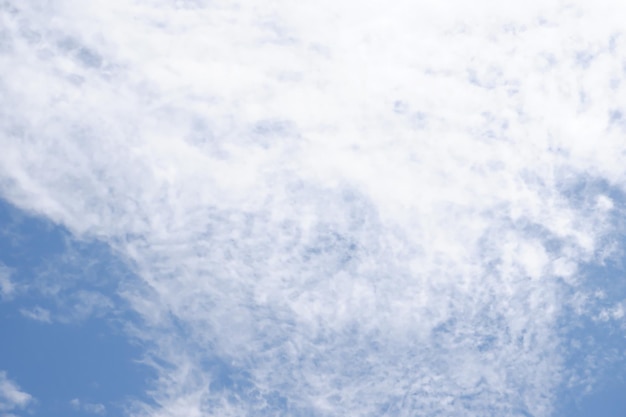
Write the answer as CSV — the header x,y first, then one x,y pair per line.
x,y
312,209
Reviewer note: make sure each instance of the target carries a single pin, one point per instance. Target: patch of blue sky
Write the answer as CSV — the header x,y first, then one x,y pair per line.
x,y
74,358
608,401
596,366
596,349
595,340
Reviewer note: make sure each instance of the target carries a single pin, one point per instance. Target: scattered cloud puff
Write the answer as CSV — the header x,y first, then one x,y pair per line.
x,y
615,312
87,407
37,313
7,287
349,208
12,398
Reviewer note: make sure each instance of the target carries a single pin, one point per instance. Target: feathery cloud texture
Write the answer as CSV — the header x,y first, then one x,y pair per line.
x,y
333,208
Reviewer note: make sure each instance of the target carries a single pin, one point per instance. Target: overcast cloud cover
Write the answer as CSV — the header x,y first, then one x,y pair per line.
x,y
331,208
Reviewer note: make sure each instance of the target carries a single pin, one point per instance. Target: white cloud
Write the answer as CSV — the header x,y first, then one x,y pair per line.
x,y
95,408
72,307
91,408
87,304
12,398
352,208
37,313
7,286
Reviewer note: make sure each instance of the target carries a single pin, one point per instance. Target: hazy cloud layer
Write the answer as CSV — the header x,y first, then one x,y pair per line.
x,y
334,208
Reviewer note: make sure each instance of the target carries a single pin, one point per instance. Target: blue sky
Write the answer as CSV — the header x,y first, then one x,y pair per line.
x,y
339,208
65,352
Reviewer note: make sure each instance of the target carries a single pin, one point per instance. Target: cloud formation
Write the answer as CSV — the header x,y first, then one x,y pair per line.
x,y
90,408
37,313
12,398
339,209
7,286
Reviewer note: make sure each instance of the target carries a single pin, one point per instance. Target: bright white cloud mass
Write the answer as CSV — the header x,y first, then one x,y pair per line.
x,y
333,208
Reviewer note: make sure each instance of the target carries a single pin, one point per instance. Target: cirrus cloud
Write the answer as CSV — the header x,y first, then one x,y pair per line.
x,y
339,209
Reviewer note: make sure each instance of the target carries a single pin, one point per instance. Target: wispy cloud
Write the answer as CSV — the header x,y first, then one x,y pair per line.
x,y
12,398
339,209
37,313
90,408
7,286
